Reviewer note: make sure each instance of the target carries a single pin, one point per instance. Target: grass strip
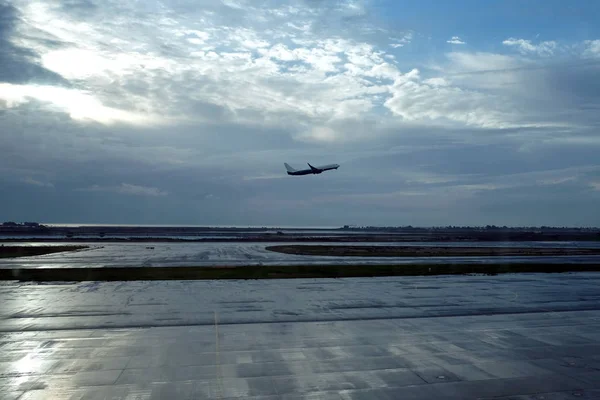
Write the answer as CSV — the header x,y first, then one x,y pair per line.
x,y
28,251
278,272
427,251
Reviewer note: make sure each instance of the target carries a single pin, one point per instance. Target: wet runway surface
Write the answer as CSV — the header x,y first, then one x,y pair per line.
x,y
240,253
522,336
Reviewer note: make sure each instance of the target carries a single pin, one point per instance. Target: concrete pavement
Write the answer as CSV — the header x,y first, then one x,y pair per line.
x,y
512,336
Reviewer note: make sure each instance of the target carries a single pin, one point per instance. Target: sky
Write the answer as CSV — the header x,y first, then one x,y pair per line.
x,y
184,111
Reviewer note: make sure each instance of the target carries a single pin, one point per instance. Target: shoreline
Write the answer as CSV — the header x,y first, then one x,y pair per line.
x,y
303,238
134,234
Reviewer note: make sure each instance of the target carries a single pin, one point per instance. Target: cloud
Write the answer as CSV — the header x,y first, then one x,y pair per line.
x,y
455,40
592,48
315,82
35,182
403,41
79,105
431,101
21,64
260,177
469,62
546,48
550,95
251,77
557,181
128,189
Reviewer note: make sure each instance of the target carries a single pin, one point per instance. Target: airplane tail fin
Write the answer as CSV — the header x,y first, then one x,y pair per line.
x,y
288,167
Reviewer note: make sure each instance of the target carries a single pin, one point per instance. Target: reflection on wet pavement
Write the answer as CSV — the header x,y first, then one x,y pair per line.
x,y
535,336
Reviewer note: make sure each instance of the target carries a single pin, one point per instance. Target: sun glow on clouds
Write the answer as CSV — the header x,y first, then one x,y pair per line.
x,y
280,76
75,63
297,76
77,104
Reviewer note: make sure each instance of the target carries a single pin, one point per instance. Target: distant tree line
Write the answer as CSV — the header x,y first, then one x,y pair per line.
x,y
470,228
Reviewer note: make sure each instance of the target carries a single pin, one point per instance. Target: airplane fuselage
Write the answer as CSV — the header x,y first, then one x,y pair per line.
x,y
303,172
312,170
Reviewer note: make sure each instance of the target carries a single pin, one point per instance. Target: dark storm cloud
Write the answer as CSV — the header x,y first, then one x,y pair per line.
x,y
577,92
565,91
561,91
19,64
209,187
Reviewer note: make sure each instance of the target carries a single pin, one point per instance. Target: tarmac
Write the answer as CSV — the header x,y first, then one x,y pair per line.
x,y
177,254
513,336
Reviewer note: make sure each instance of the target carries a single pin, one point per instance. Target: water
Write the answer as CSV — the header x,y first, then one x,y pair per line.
x,y
291,227
176,254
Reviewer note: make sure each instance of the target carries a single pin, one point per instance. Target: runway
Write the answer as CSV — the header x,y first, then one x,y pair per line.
x,y
104,254
445,337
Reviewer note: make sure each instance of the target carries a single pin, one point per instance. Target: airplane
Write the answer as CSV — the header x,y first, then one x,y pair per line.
x,y
312,170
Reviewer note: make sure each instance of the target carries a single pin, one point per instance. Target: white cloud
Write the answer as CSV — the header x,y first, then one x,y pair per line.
x,y
466,62
592,48
526,47
401,42
557,181
418,101
35,182
266,77
233,4
78,104
319,134
281,76
352,7
265,177
436,82
455,40
247,38
547,177
244,70
128,189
